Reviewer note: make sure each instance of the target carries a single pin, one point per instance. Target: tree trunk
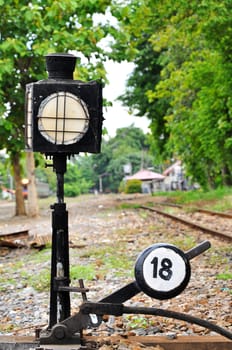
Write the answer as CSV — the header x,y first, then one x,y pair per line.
x,y
19,200
226,176
33,208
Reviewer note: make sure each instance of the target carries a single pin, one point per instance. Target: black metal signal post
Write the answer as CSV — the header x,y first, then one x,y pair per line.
x,y
59,293
63,118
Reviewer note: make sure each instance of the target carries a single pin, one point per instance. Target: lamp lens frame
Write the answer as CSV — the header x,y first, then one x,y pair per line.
x,y
63,118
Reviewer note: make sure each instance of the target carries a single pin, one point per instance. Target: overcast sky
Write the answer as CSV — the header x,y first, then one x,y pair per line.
x,y
118,116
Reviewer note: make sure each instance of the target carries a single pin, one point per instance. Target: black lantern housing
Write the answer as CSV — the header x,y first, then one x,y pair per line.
x,y
63,115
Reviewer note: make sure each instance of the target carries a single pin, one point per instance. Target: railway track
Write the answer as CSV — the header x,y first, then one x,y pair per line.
x,y
200,210
183,218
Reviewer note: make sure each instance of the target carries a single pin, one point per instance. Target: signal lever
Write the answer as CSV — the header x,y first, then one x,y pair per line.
x,y
162,271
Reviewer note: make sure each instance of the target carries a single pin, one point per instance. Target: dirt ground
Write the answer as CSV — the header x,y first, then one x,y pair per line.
x,y
82,209
104,221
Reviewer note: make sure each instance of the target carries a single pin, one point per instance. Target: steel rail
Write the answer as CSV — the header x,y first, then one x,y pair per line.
x,y
200,210
216,213
189,223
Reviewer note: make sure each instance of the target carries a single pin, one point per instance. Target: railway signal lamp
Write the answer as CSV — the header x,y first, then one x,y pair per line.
x,y
63,118
63,115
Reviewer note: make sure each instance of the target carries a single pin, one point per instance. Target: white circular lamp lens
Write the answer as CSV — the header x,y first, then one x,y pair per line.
x,y
63,118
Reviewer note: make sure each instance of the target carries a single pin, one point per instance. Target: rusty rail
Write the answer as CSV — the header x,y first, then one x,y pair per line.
x,y
216,213
189,223
200,210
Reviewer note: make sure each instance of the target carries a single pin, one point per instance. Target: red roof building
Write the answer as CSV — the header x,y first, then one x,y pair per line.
x,y
151,181
146,175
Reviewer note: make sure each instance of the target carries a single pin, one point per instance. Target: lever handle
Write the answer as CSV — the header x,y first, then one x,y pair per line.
x,y
199,249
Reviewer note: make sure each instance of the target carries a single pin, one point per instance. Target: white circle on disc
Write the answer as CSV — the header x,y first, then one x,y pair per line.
x,y
177,269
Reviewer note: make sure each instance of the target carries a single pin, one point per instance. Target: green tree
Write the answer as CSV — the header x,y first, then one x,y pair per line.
x,y
190,42
29,30
4,171
87,173
77,180
195,80
129,146
145,77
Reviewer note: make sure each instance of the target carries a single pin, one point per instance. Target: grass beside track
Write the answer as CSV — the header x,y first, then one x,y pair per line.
x,y
219,199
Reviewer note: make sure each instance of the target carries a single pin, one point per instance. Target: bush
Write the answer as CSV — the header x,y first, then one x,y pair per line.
x,y
122,186
76,188
133,186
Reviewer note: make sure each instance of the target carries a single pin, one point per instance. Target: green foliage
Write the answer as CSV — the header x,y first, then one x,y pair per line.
x,y
129,146
136,321
145,76
111,259
122,186
40,282
31,30
218,256
180,197
77,180
224,276
182,61
185,244
133,186
75,189
4,171
128,206
86,272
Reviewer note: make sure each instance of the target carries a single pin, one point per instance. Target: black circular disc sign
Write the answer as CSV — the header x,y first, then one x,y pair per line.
x,y
162,271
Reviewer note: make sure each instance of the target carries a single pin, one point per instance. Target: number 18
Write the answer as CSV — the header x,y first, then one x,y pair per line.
x,y
164,271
